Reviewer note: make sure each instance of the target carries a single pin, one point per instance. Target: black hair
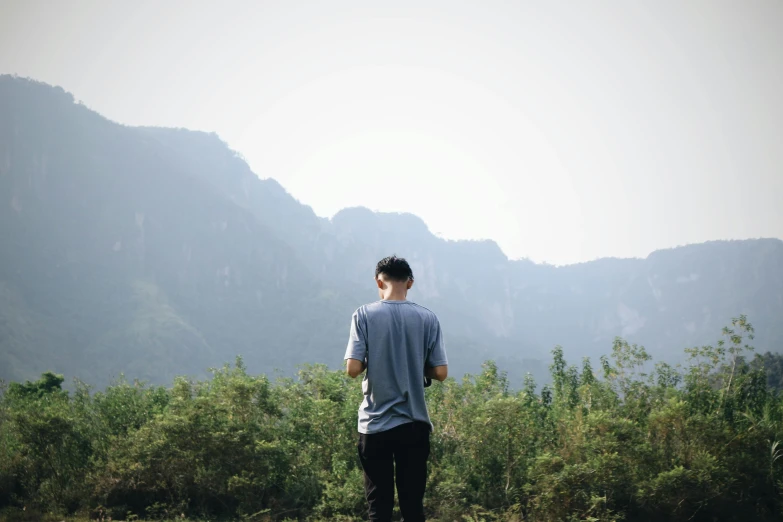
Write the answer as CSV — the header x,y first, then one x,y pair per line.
x,y
395,268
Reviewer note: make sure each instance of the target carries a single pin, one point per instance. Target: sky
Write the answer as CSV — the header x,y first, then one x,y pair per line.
x,y
565,131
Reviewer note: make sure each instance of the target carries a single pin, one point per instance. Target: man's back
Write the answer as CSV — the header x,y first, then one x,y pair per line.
x,y
397,339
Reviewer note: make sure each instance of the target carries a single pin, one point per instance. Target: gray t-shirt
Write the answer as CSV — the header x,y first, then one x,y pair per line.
x,y
396,339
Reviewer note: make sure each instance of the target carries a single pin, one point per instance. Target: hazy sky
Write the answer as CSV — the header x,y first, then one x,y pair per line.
x,y
565,131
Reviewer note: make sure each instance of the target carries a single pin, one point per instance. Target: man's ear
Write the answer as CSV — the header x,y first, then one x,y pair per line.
x,y
379,282
410,283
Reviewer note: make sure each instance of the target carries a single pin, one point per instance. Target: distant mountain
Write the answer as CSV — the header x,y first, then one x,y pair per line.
x,y
158,252
672,299
117,256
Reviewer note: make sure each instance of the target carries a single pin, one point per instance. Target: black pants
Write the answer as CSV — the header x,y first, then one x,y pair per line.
x,y
407,448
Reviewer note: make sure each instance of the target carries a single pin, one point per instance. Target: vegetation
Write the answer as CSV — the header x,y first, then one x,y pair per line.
x,y
626,442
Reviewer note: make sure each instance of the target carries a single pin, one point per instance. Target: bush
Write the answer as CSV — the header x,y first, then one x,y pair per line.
x,y
695,443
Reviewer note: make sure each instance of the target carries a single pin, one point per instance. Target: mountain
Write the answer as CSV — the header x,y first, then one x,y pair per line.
x,y
672,299
118,257
158,252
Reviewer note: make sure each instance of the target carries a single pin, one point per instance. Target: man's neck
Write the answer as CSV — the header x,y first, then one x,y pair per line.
x,y
396,295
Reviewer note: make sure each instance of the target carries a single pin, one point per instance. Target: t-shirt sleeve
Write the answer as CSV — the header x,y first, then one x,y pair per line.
x,y
437,348
357,340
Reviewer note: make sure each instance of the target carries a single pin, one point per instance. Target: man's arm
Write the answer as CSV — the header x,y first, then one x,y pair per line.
x,y
436,366
439,373
354,367
356,352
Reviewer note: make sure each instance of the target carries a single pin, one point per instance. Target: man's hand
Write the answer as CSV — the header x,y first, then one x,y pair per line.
x,y
354,367
438,373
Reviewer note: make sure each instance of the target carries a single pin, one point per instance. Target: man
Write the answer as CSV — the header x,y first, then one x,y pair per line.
x,y
399,343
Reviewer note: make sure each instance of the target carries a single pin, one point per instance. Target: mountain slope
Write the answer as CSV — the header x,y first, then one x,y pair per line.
x,y
672,299
342,252
159,252
125,255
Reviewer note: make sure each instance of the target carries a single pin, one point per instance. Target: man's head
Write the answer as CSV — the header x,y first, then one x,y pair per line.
x,y
394,277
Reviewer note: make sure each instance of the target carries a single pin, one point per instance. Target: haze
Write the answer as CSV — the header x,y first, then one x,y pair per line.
x,y
564,131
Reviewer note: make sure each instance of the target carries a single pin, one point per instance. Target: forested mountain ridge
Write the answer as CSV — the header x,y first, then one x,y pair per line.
x,y
117,258
674,298
159,252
